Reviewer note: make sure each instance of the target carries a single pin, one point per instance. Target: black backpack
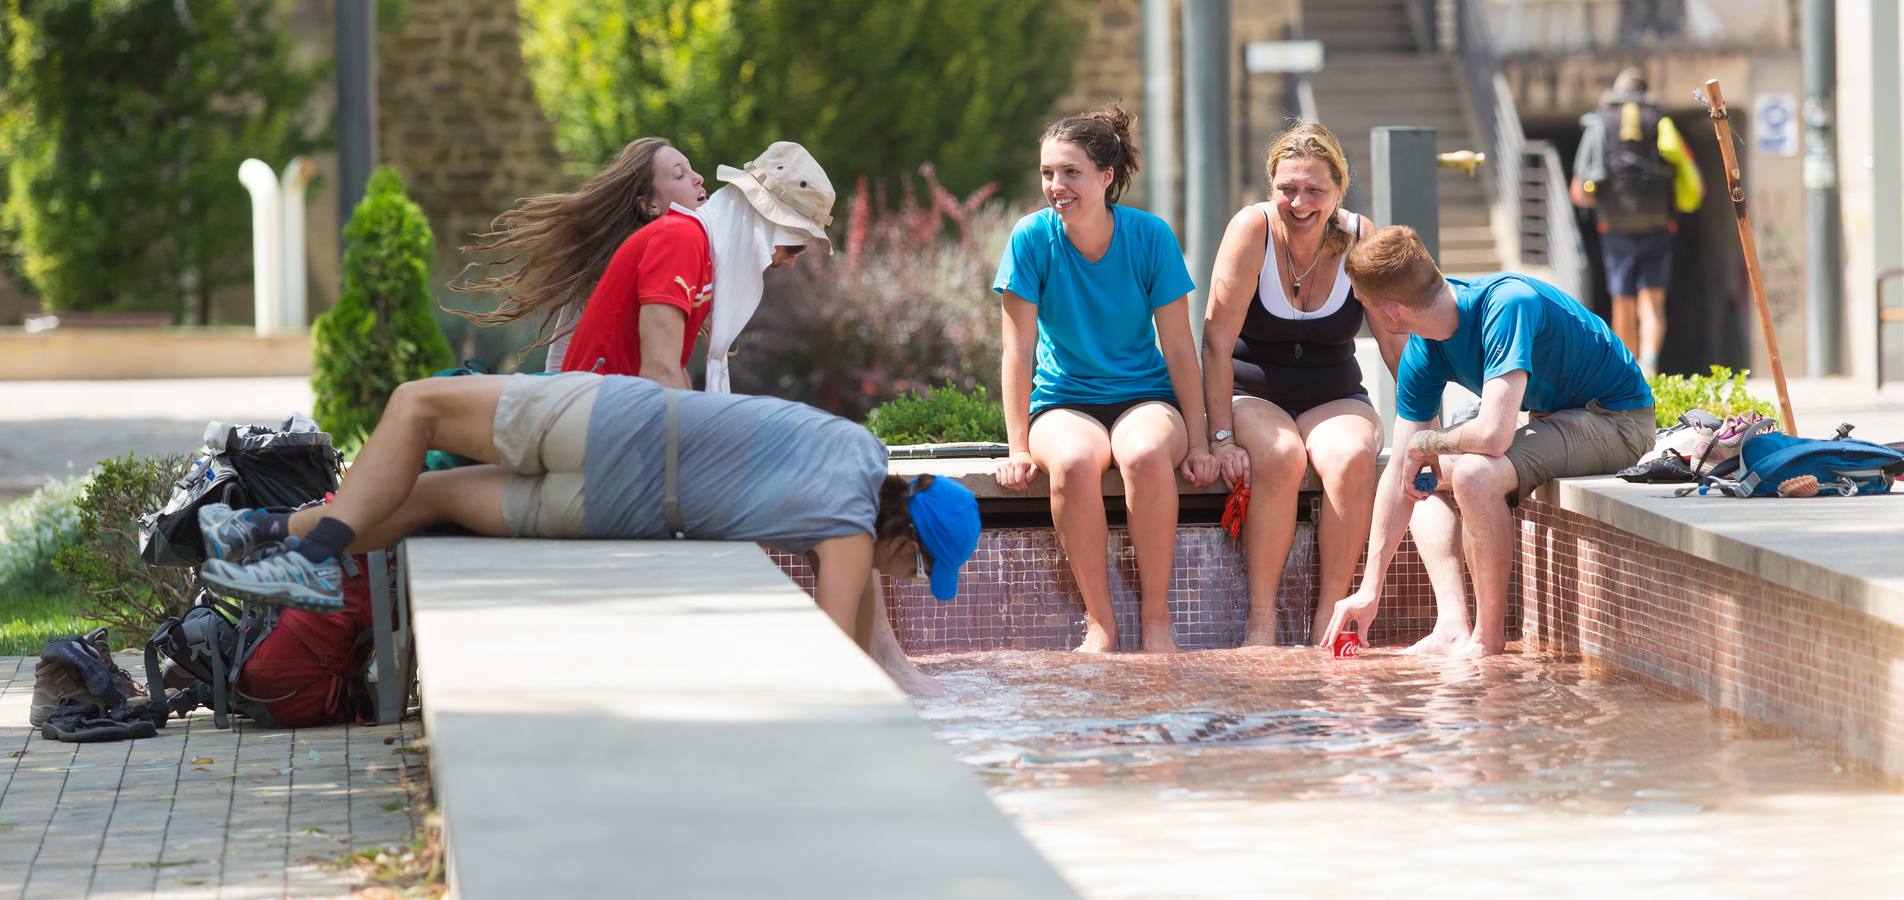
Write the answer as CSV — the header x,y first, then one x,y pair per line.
x,y
1637,195
243,466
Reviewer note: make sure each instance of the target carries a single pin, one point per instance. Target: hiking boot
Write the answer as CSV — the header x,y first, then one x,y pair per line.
x,y
284,579
121,678
230,534
55,684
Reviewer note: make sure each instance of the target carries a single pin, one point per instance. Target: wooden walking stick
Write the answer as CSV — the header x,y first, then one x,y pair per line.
x,y
1715,104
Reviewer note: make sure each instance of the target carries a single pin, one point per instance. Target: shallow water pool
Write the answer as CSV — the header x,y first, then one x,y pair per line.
x,y
1285,772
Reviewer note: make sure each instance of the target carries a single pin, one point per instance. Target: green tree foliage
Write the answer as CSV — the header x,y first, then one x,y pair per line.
x,y
122,124
381,333
870,88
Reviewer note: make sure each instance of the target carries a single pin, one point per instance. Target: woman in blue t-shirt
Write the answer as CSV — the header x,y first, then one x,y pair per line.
x,y
1095,289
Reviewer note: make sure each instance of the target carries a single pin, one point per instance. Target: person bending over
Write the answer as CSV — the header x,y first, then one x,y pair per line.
x,y
1521,344
579,455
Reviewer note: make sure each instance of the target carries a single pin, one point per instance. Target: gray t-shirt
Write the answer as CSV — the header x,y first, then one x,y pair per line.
x,y
752,468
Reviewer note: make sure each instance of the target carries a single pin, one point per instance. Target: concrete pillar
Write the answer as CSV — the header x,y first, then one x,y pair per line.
x,y
356,105
1402,181
1402,184
1887,150
1160,114
1206,125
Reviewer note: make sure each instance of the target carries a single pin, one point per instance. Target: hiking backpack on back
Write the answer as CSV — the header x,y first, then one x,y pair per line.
x,y
1637,195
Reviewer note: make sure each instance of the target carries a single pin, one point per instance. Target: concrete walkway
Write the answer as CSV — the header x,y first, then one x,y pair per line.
x,y
53,429
196,812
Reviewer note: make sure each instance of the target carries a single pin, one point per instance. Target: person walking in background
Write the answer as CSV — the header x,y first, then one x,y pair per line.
x,y
1100,368
1634,170
1280,376
1520,344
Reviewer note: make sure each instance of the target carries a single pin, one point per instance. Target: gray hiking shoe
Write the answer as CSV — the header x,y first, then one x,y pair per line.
x,y
284,579
230,534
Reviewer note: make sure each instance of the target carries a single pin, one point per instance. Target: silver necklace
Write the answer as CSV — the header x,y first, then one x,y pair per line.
x,y
1295,281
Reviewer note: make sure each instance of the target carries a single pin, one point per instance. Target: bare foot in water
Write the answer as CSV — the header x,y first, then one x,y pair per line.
x,y
1474,648
1437,643
1158,638
1097,640
918,684
908,677
1259,637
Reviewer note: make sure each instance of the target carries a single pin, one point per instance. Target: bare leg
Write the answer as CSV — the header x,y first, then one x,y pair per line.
x,y
1148,442
1481,486
1342,437
1652,314
470,497
1626,323
1274,445
1437,533
1074,450
453,414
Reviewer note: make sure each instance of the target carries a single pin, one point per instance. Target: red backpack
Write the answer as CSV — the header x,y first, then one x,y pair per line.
x,y
279,667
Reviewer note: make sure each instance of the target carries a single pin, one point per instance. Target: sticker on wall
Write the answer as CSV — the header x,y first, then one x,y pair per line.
x,y
1775,124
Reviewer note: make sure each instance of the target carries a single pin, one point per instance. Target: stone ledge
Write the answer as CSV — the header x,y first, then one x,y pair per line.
x,y
66,354
677,719
1845,550
976,475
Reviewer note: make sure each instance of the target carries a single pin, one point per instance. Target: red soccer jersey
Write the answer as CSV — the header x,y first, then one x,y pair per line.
x,y
666,261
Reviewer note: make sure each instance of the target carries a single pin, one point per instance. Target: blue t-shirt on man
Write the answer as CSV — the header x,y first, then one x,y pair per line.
x,y
1515,323
1097,342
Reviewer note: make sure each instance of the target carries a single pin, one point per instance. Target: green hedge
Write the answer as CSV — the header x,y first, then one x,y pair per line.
x,y
940,415
383,330
1720,392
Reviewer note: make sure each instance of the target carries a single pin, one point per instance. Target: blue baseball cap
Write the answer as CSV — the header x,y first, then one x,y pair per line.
x,y
946,516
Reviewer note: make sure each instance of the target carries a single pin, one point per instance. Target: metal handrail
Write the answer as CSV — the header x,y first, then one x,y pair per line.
x,y
1566,252
1494,109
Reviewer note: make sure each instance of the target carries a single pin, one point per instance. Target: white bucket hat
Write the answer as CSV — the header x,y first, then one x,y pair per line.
x,y
788,187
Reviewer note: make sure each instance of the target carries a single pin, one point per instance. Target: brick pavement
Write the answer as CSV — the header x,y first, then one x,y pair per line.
x,y
196,812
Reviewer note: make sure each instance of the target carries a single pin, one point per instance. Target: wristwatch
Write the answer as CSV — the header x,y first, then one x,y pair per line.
x,y
1221,435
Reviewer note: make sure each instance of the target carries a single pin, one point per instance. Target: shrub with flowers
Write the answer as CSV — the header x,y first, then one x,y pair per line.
x,y
906,306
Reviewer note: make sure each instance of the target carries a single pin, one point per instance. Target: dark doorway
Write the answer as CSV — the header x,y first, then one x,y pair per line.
x,y
1709,303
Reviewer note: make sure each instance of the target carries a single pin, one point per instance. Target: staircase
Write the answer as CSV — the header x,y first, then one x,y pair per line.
x,y
1377,73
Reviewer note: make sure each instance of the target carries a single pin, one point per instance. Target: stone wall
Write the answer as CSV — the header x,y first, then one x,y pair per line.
x,y
1111,67
456,115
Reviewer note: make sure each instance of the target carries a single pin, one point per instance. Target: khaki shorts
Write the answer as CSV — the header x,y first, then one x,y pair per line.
x,y
1591,441
541,436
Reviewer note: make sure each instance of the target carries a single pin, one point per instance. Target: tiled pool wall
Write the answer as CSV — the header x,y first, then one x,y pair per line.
x,y
1745,644
1823,669
1018,593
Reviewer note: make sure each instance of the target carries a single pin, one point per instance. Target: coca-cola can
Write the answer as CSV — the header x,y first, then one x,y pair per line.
x,y
1347,644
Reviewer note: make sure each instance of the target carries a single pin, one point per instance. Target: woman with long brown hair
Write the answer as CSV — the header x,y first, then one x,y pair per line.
x,y
556,247
1100,368
652,294
1279,370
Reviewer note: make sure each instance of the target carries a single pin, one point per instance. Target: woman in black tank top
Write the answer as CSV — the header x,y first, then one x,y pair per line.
x,y
1279,344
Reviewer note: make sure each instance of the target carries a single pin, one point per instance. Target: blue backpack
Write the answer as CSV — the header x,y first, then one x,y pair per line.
x,y
1772,459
